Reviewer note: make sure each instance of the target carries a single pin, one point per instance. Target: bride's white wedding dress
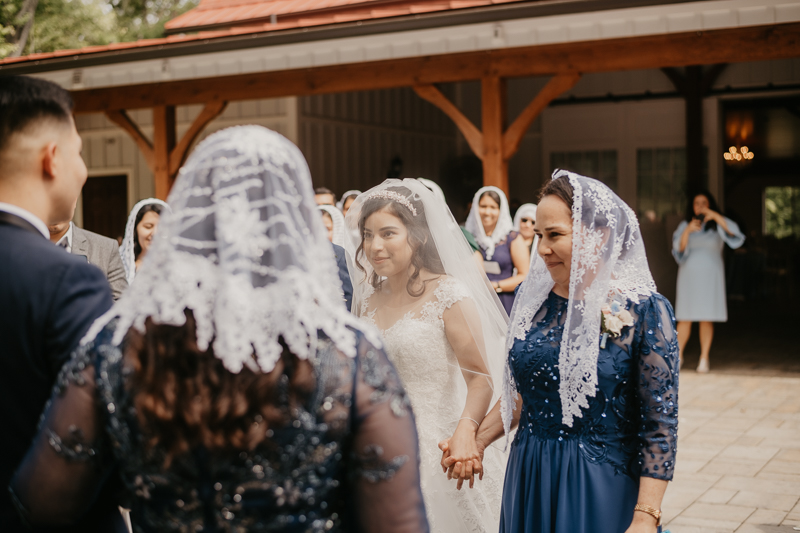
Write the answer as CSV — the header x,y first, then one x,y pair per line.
x,y
416,342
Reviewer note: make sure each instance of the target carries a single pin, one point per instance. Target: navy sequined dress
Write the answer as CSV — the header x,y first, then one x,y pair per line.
x,y
346,461
585,478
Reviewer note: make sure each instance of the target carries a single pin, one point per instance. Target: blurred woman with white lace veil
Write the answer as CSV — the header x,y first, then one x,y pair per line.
x,y
229,386
140,230
444,329
505,258
592,375
333,220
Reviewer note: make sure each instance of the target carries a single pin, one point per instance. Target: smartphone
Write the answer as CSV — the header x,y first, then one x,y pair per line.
x,y
700,218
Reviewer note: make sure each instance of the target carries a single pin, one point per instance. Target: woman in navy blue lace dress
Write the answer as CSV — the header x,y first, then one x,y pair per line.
x,y
229,387
592,377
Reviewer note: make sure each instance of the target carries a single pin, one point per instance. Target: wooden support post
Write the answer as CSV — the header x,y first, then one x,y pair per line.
x,y
121,119
694,85
494,146
164,156
163,142
493,118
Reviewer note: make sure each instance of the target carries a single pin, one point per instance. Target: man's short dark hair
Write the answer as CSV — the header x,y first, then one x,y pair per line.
x,y
325,190
25,100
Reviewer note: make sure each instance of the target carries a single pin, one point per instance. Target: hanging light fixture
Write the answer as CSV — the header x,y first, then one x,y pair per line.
x,y
738,154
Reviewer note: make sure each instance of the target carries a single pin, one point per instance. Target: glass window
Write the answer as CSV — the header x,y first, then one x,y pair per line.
x,y
782,212
598,164
661,180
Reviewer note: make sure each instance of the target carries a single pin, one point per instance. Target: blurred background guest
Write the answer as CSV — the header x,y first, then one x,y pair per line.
x,y
232,390
324,196
139,232
490,222
347,200
333,220
523,224
697,245
98,250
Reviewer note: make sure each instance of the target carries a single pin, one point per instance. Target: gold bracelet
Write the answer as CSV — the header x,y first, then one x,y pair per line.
x,y
655,513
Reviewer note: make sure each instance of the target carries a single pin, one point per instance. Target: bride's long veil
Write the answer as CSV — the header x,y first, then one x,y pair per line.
x,y
484,314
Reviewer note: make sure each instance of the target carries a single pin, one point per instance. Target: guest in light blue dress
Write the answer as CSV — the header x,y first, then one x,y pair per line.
x,y
595,400
697,246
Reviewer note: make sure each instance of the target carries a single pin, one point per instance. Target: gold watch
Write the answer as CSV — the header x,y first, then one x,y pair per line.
x,y
655,513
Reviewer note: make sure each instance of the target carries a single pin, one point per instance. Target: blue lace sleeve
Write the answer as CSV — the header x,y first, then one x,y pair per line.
x,y
657,356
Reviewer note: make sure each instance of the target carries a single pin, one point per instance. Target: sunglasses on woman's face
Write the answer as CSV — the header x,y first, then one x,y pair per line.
x,y
526,220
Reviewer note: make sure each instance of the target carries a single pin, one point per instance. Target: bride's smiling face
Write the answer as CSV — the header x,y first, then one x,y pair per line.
x,y
386,244
554,229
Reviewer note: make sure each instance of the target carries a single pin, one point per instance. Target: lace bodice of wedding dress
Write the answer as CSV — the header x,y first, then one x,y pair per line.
x,y
417,344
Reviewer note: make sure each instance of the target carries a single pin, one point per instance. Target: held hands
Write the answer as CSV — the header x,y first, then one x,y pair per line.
x,y
462,456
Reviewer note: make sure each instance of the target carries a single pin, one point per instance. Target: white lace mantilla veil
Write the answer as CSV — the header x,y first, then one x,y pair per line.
x,y
245,250
338,223
340,203
608,260
524,211
126,251
504,225
490,325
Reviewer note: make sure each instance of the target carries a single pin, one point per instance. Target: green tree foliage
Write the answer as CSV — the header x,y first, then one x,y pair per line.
x,y
145,19
68,24
782,211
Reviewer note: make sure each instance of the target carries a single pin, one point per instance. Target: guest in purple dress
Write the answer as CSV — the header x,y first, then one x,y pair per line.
x,y
505,258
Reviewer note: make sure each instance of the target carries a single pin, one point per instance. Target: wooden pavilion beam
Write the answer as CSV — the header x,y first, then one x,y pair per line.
x,y
471,133
758,43
494,146
557,86
121,119
493,119
164,156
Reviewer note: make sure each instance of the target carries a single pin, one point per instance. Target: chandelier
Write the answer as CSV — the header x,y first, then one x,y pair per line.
x,y
741,154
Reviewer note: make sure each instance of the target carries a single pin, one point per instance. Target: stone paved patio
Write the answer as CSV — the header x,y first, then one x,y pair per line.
x,y
738,464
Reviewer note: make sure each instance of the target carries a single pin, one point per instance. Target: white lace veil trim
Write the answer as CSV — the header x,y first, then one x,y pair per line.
x,y
434,187
126,251
488,324
608,260
245,250
524,211
338,223
503,227
340,203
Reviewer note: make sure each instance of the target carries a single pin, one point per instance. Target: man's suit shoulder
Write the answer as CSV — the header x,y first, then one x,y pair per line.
x,y
30,253
95,238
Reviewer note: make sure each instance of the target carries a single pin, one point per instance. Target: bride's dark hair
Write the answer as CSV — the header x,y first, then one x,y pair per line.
x,y
185,397
424,250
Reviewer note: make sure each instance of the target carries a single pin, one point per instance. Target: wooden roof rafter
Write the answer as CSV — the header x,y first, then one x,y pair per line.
x,y
757,43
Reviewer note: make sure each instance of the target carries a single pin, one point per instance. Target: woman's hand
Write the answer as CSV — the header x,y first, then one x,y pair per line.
x,y
462,456
642,523
694,225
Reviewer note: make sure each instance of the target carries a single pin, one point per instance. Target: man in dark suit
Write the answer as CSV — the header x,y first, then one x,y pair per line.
x,y
49,298
344,275
99,251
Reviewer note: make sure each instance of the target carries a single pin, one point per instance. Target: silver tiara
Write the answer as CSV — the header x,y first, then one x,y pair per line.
x,y
395,197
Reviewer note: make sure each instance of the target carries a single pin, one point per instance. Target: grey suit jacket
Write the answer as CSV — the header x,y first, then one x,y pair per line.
x,y
103,253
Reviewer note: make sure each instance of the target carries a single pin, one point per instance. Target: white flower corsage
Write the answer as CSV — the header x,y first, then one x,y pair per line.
x,y
613,318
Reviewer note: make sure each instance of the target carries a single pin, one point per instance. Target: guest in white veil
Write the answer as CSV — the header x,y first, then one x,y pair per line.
x,y
347,200
505,259
444,330
131,249
331,215
524,220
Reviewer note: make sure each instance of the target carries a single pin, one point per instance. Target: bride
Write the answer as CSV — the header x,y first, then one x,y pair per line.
x,y
414,278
